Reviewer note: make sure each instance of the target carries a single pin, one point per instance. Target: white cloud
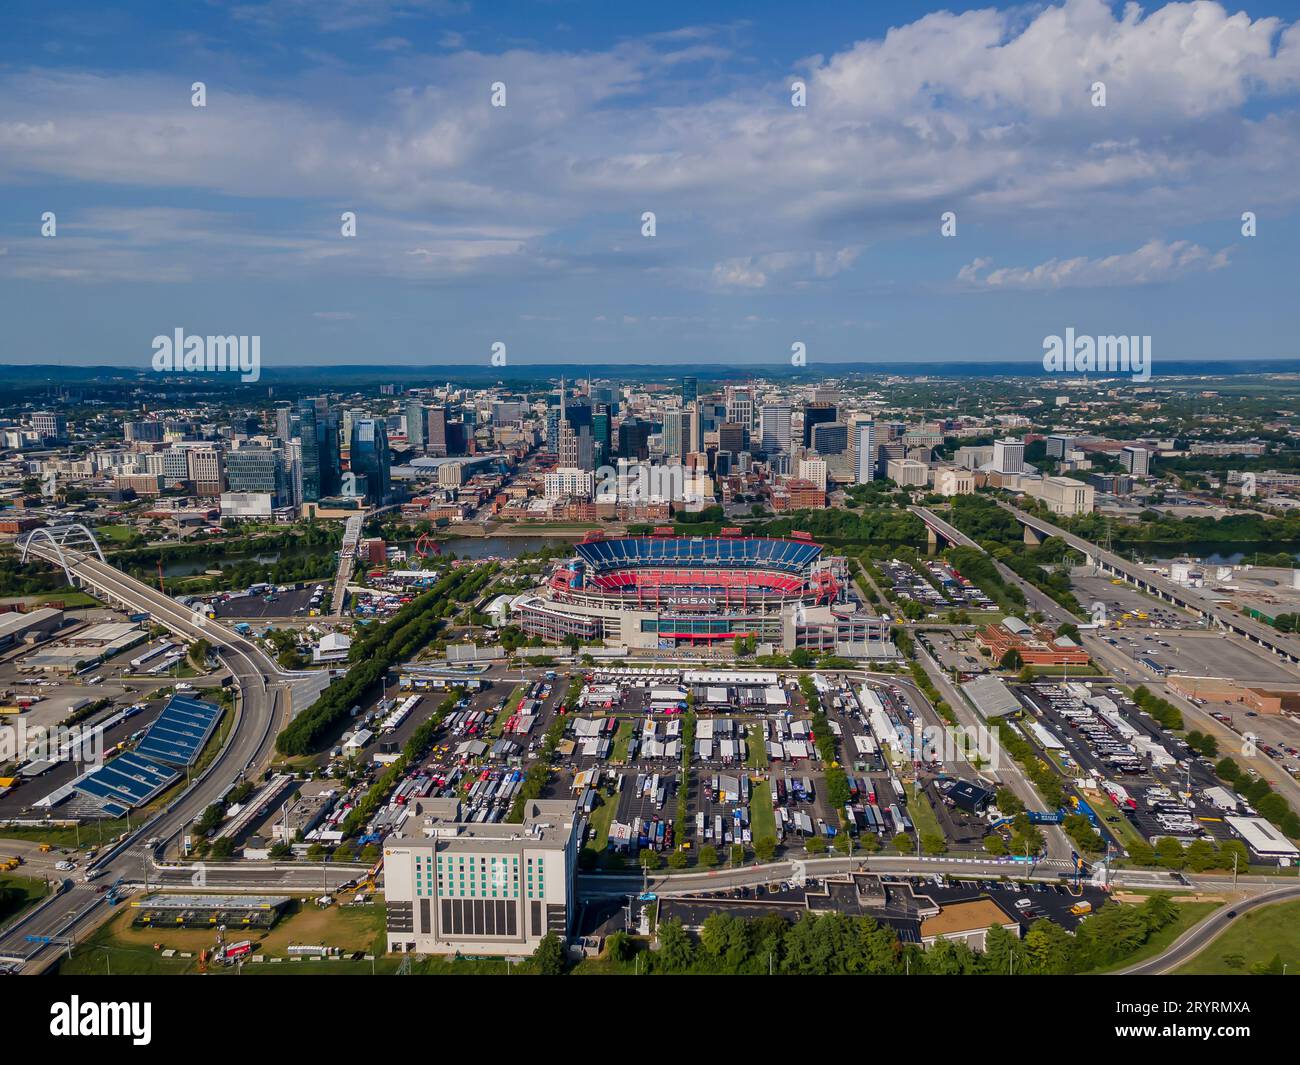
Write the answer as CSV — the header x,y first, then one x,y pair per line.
x,y
1154,262
984,112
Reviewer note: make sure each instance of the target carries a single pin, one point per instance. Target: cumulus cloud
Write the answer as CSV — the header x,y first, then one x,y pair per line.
x,y
1155,261
985,112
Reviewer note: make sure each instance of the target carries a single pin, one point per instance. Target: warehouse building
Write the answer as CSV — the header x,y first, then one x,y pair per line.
x,y
16,626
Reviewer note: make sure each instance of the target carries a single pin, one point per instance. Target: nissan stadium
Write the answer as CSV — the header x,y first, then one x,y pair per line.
x,y
666,591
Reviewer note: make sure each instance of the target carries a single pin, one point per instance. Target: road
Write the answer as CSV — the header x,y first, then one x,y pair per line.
x,y
249,744
597,885
1007,772
1034,598
1200,936
1285,646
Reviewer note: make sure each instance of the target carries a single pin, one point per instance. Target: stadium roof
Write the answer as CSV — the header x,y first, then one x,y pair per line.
x,y
793,556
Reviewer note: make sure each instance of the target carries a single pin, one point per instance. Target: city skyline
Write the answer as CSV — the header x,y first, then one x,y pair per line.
x,y
774,224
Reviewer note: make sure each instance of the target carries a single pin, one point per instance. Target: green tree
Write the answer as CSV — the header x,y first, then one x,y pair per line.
x,y
707,856
548,958
619,946
676,951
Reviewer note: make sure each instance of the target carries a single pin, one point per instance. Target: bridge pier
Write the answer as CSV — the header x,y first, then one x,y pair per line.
x,y
931,541
1032,536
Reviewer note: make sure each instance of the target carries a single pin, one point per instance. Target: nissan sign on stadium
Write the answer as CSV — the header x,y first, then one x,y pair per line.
x,y
700,602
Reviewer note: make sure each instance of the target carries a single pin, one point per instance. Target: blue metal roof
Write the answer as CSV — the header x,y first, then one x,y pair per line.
x,y
126,781
181,730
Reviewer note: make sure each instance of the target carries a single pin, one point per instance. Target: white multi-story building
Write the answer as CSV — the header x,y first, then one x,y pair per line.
x,y
774,427
865,448
1063,495
1009,456
950,481
813,470
740,406
1137,460
907,472
568,482
455,886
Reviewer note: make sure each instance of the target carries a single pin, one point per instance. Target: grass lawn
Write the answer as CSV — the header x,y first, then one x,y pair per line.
x,y
1189,914
17,893
761,815
622,741
117,534
1254,938
600,818
498,726
1065,671
129,950
757,758
922,814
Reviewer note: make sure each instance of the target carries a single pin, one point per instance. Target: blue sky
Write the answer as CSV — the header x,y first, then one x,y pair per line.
x,y
522,224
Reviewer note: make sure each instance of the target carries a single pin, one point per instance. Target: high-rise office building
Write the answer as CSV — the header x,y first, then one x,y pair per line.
x,y
815,414
415,424
634,439
258,470
732,438
740,405
284,422
866,458
321,465
602,429
1009,456
370,457
690,390
435,431
774,428
830,438
677,434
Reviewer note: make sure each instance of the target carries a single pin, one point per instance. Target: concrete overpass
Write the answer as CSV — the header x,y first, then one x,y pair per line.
x,y
1284,646
943,532
257,713
940,532
347,562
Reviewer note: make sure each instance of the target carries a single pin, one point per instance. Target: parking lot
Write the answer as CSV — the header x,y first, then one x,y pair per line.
x,y
1200,654
293,602
1149,786
1120,598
